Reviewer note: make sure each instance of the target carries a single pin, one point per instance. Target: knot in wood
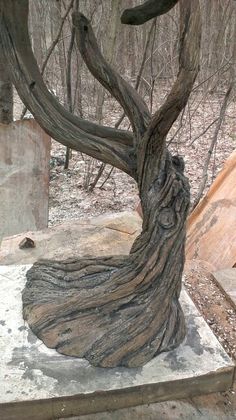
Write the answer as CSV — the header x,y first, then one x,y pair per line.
x,y
178,162
166,218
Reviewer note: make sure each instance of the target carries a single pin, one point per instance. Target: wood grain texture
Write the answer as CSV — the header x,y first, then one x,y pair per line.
x,y
118,310
114,310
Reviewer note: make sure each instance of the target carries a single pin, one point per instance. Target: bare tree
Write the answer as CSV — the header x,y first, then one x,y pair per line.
x,y
120,310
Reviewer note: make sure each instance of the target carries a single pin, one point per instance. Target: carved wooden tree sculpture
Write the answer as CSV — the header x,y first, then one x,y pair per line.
x,y
114,310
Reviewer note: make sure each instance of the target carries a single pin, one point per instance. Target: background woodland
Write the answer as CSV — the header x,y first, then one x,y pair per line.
x,y
147,56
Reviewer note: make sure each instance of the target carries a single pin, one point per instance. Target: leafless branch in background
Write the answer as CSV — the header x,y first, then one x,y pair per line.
x,y
212,145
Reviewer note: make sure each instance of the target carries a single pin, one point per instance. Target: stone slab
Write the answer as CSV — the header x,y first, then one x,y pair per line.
x,y
24,177
226,280
217,406
75,238
211,229
38,383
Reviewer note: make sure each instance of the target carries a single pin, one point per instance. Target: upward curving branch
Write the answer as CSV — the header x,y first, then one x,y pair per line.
x,y
103,143
150,9
189,59
126,95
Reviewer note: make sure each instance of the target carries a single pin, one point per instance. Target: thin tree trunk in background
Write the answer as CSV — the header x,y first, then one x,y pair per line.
x,y
50,50
6,93
57,23
68,81
37,31
60,48
140,73
109,46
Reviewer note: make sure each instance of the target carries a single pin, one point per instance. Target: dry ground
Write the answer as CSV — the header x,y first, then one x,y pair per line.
x,y
213,305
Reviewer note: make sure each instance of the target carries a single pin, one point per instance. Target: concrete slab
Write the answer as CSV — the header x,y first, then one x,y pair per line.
x,y
226,280
218,406
24,177
38,383
75,238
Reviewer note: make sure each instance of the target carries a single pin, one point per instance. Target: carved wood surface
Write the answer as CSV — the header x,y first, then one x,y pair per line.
x,y
114,310
118,310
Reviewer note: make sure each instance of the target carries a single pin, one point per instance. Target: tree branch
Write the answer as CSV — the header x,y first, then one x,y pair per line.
x,y
220,119
55,41
189,59
103,143
126,95
150,9
139,76
68,81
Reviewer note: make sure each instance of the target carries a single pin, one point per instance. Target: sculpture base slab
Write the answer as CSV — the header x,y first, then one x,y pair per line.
x,y
37,382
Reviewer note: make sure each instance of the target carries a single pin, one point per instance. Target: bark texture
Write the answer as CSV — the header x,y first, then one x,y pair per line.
x,y
148,10
6,93
114,310
119,310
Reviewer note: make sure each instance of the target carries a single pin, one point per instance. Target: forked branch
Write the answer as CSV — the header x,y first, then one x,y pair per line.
x,y
189,59
126,95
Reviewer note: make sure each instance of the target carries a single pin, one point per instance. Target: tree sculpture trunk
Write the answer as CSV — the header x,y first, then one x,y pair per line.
x,y
114,311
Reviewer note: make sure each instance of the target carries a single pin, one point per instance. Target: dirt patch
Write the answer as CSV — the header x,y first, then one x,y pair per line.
x,y
212,304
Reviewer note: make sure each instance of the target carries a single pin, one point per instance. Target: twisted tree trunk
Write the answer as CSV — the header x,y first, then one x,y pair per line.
x,y
114,310
119,310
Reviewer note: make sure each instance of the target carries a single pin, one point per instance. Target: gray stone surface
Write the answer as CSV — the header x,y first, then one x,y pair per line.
x,y
226,280
110,233
38,383
24,177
